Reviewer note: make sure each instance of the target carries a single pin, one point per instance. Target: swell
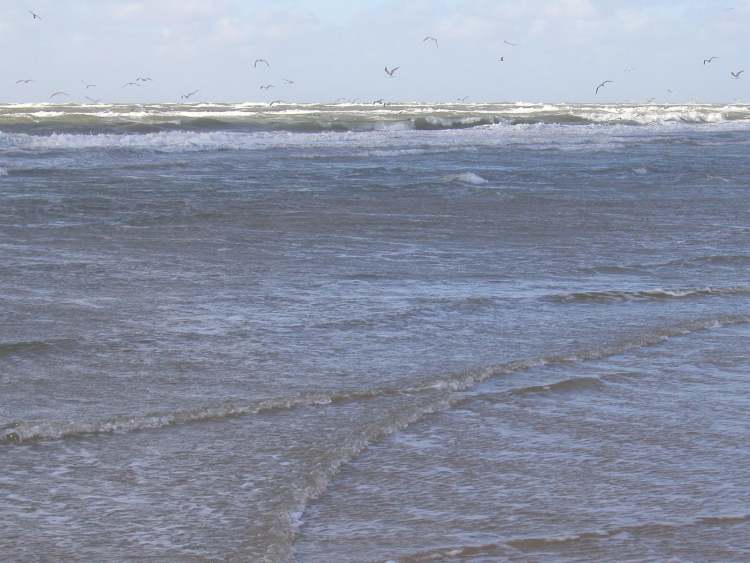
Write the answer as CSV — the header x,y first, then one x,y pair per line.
x,y
540,543
611,296
22,432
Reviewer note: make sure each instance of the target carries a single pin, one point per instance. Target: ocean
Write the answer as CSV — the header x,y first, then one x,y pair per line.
x,y
351,332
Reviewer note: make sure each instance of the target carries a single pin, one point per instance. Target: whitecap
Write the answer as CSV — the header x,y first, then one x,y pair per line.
x,y
466,178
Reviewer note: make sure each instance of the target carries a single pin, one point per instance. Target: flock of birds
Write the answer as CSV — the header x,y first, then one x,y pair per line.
x,y
734,75
390,72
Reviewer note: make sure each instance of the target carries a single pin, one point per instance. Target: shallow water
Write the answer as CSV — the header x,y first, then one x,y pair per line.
x,y
356,333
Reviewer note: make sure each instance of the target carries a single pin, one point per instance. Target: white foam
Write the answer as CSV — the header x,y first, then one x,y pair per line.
x,y
467,178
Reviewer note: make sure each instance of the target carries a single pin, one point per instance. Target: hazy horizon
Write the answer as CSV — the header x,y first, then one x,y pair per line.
x,y
333,49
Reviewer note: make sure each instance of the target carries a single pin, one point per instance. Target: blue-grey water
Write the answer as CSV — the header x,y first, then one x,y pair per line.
x,y
503,332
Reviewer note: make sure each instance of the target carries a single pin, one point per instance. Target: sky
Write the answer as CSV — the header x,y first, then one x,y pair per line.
x,y
335,49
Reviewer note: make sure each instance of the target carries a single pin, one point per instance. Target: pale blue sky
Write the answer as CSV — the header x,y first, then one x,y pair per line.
x,y
338,48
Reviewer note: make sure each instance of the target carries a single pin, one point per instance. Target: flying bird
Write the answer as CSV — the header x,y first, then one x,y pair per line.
x,y
58,93
709,60
35,16
430,38
258,61
92,100
501,60
391,71
189,95
267,86
90,86
287,81
143,79
379,101
736,75
463,99
602,85
130,84
275,102
24,81
511,44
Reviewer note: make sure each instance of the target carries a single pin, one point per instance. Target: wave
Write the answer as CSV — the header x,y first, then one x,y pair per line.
x,y
612,296
14,348
566,386
691,262
501,548
21,432
123,118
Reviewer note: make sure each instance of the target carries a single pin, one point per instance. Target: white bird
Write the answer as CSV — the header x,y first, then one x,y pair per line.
x,y
287,81
511,44
92,100
58,93
90,86
24,81
189,95
630,69
737,75
258,61
463,99
130,84
35,16
602,85
143,79
430,38
391,71
267,86
275,102
709,60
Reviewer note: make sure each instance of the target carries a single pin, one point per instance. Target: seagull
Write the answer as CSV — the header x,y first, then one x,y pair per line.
x,y
24,81
380,101
258,61
287,81
130,84
603,84
391,71
189,95
35,16
709,60
511,44
463,99
92,100
430,38
58,93
736,75
669,91
142,79
90,86
275,102
501,60
267,86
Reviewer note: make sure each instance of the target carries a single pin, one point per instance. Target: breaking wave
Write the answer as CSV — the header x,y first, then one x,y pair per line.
x,y
123,118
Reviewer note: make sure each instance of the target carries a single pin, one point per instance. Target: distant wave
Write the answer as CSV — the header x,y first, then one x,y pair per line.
x,y
445,386
611,296
150,118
